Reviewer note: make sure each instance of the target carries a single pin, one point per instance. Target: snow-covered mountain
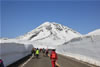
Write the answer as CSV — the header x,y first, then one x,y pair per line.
x,y
49,34
53,31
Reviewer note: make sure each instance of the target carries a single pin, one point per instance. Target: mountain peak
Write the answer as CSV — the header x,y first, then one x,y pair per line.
x,y
51,31
52,25
46,23
49,23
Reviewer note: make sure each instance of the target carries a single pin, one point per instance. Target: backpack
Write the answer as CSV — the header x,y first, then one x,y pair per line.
x,y
53,56
43,50
1,63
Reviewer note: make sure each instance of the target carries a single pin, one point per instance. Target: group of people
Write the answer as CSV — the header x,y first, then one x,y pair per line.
x,y
45,52
51,53
36,51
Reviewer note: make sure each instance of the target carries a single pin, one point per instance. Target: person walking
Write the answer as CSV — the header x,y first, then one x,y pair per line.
x,y
1,63
47,51
53,58
40,50
37,53
33,51
43,50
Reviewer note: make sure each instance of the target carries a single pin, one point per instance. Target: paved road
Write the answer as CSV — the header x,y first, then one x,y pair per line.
x,y
69,62
45,62
63,62
42,61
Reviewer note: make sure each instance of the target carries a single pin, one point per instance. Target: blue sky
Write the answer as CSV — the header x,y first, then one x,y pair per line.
x,y
20,17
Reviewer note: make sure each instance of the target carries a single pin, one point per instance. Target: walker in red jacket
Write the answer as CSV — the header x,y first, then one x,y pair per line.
x,y
53,58
1,63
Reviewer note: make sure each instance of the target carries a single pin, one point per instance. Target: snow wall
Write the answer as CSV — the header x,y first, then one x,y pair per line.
x,y
12,52
86,49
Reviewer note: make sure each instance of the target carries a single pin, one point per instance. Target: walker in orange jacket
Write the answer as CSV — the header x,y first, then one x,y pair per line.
x,y
53,58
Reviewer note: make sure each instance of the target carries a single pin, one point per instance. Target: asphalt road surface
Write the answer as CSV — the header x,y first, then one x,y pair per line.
x,y
70,62
44,61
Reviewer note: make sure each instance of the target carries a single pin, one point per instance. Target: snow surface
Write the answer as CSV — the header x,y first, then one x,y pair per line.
x,y
12,52
86,48
95,32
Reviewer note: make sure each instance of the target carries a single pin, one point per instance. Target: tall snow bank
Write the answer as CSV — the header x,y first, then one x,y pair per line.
x,y
12,52
95,32
85,48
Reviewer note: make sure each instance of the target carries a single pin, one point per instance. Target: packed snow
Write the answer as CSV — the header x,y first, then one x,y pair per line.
x,y
12,52
86,48
95,32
